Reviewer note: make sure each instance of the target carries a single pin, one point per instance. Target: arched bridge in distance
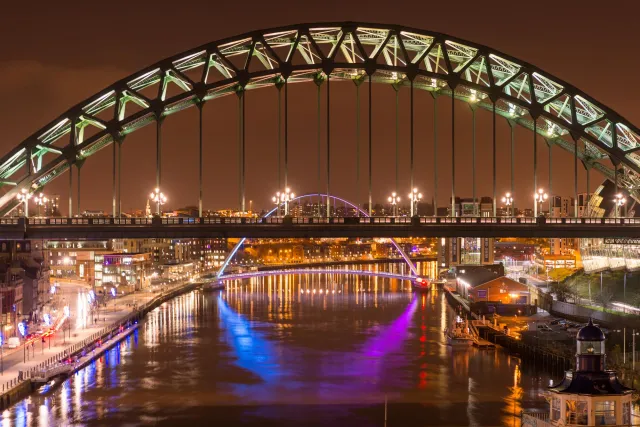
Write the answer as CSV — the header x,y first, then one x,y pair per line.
x,y
327,197
408,59
342,271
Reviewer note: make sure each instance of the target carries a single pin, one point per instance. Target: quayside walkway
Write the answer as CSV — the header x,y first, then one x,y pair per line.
x,y
19,366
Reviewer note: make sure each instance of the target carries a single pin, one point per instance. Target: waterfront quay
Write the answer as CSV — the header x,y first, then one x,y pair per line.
x,y
79,346
312,348
506,329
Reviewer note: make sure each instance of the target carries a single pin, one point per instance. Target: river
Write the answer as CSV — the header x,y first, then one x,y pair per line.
x,y
293,350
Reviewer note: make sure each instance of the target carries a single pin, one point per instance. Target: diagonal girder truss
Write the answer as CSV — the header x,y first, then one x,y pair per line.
x,y
434,62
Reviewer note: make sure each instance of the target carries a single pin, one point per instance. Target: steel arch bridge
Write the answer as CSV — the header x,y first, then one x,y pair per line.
x,y
322,52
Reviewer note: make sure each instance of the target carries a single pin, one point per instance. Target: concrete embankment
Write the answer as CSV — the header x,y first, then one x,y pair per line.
x,y
82,353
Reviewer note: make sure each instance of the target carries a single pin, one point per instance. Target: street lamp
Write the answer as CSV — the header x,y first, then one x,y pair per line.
x,y
394,199
159,198
24,196
539,197
283,197
619,200
40,200
415,198
508,200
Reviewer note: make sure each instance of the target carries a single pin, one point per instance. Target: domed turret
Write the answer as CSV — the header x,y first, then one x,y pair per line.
x,y
589,396
590,345
590,333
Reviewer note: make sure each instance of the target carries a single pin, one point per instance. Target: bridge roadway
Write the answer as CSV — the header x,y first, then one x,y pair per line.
x,y
301,227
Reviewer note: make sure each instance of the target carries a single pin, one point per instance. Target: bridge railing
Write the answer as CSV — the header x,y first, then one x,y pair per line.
x,y
374,220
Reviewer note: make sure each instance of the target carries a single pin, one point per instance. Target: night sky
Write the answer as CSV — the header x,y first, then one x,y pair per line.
x,y
54,55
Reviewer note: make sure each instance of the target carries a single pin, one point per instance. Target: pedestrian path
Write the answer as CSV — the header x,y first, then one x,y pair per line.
x,y
71,337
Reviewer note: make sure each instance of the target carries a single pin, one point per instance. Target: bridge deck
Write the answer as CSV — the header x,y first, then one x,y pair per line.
x,y
108,228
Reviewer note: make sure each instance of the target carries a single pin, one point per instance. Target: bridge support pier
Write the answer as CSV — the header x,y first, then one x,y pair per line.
x,y
120,178
370,153
494,159
575,176
473,158
588,202
550,145
414,211
535,163
512,125
453,152
397,89
241,147
318,81
79,164
435,153
358,81
159,120
200,107
328,147
70,190
286,133
279,85
114,195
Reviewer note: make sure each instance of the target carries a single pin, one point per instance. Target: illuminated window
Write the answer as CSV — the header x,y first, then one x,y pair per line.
x,y
555,409
626,413
576,413
605,413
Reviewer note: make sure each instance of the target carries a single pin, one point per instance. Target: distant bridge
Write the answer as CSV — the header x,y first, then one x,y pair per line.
x,y
384,274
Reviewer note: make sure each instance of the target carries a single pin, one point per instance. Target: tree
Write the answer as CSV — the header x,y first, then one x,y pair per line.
x,y
559,274
574,292
604,298
561,289
634,299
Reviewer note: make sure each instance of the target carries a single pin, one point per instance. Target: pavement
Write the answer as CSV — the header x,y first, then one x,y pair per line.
x,y
78,327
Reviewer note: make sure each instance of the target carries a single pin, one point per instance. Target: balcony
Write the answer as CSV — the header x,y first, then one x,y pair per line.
x,y
536,419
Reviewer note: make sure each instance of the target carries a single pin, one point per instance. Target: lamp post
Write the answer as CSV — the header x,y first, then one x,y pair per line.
x,y
508,200
415,198
394,199
540,196
24,196
40,200
283,197
67,315
619,200
159,198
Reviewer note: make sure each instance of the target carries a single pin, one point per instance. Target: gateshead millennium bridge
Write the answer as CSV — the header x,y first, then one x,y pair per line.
x,y
407,59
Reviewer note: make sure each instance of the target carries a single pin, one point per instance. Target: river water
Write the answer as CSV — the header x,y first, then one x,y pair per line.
x,y
293,350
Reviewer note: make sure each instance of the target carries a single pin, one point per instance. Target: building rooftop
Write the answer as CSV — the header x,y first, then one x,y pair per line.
x,y
477,276
591,383
506,282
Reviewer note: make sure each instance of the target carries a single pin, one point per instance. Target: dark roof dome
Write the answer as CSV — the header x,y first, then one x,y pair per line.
x,y
590,333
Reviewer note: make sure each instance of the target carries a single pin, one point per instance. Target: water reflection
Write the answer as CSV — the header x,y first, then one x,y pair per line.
x,y
292,350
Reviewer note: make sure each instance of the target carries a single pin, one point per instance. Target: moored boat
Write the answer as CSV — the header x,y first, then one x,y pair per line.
x,y
421,284
459,335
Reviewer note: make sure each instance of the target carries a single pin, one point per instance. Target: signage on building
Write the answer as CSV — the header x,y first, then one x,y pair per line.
x,y
455,250
468,209
486,251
